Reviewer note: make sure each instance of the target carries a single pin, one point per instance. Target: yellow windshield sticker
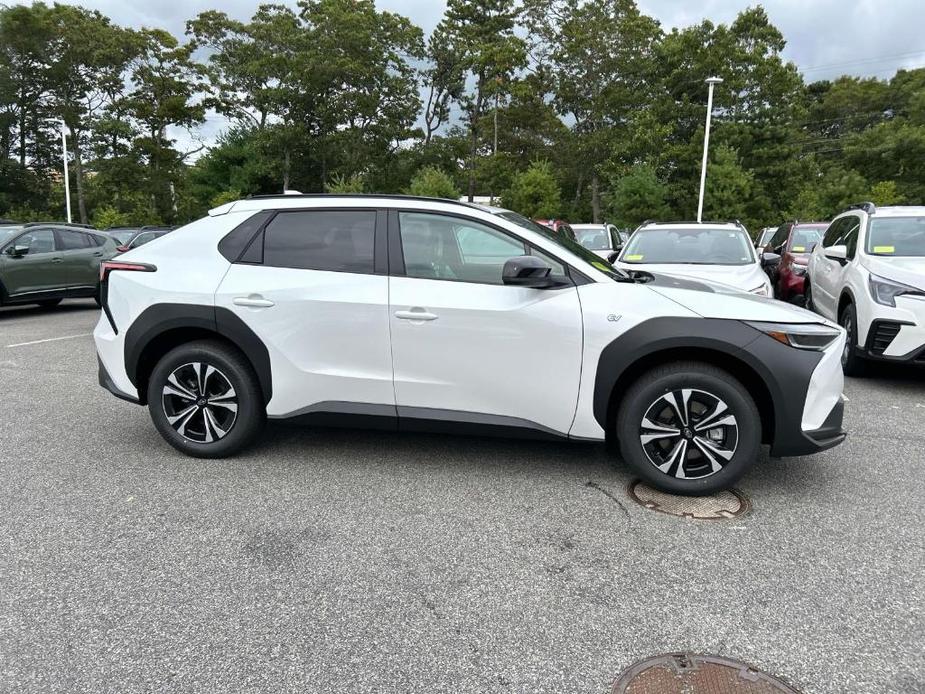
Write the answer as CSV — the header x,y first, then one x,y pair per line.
x,y
634,257
884,249
799,249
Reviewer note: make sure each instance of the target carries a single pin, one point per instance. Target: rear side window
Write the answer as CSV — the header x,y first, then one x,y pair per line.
x,y
333,240
237,240
72,240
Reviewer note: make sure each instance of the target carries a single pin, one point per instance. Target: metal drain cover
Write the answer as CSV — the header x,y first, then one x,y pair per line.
x,y
686,673
725,504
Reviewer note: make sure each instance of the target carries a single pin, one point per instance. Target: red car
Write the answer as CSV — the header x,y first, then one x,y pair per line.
x,y
793,242
559,226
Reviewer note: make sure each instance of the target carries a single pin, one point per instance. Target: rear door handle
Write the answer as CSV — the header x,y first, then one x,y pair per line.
x,y
254,301
417,313
56,260
98,254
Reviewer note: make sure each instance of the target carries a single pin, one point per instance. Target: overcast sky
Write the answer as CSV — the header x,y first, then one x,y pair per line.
x,y
825,38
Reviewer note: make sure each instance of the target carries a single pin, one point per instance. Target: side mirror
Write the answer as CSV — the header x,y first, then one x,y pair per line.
x,y
123,249
17,251
839,253
770,259
612,257
527,271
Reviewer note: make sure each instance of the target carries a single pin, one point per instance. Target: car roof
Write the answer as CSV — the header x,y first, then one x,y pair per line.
x,y
282,201
900,211
692,225
589,225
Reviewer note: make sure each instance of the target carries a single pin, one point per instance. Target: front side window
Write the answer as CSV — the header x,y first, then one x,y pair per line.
x,y
689,246
833,233
38,241
142,239
780,236
896,236
332,240
441,247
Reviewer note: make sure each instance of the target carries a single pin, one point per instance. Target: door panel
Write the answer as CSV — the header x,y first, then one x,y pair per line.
x,y
327,333
40,271
510,352
81,260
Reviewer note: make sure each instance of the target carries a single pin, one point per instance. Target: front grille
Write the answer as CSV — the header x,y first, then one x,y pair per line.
x,y
882,334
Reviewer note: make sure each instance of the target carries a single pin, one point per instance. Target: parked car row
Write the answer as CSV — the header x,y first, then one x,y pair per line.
x,y
46,262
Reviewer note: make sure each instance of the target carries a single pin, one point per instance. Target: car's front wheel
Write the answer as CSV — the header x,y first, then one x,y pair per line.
x,y
852,363
689,428
205,400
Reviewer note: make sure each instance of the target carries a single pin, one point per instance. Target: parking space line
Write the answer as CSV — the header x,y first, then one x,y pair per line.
x,y
50,339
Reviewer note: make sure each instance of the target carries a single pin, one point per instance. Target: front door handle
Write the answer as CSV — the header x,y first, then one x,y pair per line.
x,y
56,260
416,313
98,254
253,301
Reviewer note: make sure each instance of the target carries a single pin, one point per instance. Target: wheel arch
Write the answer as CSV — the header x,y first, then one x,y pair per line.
x,y
720,343
162,327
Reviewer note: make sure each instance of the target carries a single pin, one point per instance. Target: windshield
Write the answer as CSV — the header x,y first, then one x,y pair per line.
x,y
892,236
689,246
8,232
565,242
593,238
804,239
122,235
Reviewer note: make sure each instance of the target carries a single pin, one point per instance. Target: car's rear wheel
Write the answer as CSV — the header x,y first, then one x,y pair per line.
x,y
205,400
852,363
689,428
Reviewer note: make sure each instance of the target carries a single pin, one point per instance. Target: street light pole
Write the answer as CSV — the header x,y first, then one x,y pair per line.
x,y
67,182
711,81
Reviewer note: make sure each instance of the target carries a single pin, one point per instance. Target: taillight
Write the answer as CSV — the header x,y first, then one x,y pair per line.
x,y
108,266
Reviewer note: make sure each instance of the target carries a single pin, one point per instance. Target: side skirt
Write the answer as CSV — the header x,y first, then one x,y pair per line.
x,y
422,419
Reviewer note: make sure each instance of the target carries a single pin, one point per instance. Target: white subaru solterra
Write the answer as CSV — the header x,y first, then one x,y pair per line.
x,y
416,313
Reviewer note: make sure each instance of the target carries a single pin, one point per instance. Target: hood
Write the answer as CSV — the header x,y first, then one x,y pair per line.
x,y
742,277
907,270
714,300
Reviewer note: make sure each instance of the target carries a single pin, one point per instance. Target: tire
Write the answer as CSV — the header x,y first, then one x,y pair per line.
x,y
214,429
49,303
707,467
852,363
808,297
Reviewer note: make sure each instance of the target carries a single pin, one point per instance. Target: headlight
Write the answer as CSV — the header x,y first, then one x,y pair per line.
x,y
885,291
800,335
761,290
798,270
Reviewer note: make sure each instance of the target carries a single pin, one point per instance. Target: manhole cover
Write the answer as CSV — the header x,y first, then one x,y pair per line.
x,y
685,673
726,504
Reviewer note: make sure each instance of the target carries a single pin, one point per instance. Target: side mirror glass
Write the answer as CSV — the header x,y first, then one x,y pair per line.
x,y
839,252
527,271
769,259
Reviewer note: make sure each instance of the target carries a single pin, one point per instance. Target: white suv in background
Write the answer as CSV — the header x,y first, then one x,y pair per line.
x,y
415,313
719,252
868,273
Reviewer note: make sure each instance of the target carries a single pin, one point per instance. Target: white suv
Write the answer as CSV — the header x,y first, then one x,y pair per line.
x,y
869,275
719,252
415,313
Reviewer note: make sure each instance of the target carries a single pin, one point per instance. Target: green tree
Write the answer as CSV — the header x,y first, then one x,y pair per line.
x,y
345,184
535,192
638,196
728,188
483,34
431,182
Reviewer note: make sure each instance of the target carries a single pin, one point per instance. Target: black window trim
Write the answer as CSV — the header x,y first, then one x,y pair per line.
x,y
397,258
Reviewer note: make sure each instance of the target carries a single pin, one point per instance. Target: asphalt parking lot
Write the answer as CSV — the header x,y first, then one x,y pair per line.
x,y
344,561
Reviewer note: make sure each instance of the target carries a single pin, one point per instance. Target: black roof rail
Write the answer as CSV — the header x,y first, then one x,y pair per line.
x,y
8,221
387,196
868,207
